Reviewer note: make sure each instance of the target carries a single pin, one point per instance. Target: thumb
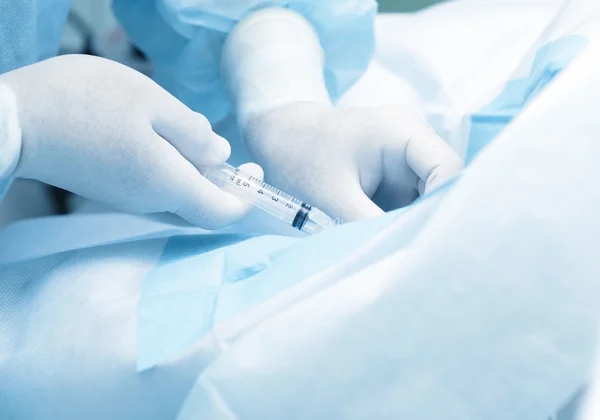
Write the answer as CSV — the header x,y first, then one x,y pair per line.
x,y
432,159
348,201
210,207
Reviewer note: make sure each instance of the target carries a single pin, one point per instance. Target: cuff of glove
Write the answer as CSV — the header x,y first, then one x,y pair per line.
x,y
10,135
272,58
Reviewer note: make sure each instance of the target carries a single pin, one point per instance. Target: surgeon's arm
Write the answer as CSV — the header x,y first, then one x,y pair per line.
x,y
184,40
273,58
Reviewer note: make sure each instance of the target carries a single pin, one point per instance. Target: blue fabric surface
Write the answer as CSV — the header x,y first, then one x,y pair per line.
x,y
550,60
30,31
4,186
486,308
177,309
479,301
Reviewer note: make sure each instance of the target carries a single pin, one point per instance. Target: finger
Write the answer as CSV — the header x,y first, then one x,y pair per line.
x,y
348,201
175,185
191,134
212,208
431,158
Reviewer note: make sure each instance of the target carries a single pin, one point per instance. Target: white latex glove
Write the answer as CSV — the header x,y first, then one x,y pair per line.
x,y
108,133
339,158
335,158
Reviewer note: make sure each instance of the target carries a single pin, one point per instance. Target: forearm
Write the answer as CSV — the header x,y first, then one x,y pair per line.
x,y
273,58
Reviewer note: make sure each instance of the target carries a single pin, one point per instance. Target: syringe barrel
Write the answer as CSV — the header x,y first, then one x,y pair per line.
x,y
255,191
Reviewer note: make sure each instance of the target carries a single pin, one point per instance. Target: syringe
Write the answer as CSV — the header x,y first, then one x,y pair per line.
x,y
300,215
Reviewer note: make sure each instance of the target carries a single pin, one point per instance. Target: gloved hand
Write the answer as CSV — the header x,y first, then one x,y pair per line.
x,y
338,158
108,133
334,158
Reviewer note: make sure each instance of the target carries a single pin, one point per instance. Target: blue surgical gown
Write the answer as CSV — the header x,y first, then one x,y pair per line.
x,y
184,38
30,31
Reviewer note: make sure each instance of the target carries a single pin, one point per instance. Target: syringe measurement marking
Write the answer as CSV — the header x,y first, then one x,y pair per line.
x,y
237,180
229,178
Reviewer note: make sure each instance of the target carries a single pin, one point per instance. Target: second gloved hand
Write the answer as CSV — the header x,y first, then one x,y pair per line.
x,y
108,133
339,159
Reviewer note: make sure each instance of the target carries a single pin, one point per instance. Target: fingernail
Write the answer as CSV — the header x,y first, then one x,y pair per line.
x,y
220,150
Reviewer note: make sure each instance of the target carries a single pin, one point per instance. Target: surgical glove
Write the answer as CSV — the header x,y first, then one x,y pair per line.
x,y
340,158
335,158
108,133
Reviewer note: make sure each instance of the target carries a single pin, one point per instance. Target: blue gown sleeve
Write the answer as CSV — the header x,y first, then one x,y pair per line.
x,y
184,39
